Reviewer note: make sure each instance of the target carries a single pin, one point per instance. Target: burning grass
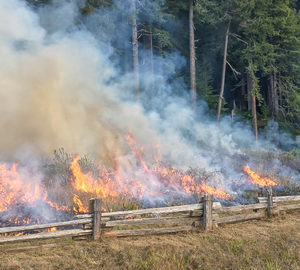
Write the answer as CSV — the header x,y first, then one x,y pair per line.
x,y
257,179
69,181
72,180
262,244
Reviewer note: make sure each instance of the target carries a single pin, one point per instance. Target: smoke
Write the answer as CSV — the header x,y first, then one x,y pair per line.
x,y
54,88
59,87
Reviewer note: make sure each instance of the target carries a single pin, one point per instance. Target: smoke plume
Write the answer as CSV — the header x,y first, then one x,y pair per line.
x,y
60,88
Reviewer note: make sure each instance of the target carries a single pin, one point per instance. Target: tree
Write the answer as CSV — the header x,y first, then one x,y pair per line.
x,y
254,63
223,73
271,29
192,55
152,17
135,48
253,90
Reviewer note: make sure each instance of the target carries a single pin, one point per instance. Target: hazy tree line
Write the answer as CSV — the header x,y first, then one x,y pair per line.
x,y
243,56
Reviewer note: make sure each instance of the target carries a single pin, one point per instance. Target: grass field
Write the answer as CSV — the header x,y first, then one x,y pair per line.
x,y
263,244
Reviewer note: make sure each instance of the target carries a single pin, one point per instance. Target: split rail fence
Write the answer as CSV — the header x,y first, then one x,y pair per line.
x,y
162,220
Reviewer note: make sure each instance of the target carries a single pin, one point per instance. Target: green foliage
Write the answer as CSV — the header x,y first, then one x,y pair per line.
x,y
264,38
204,86
91,5
163,39
271,30
264,111
251,69
212,12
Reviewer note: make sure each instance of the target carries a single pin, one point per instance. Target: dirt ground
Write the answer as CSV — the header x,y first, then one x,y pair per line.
x,y
263,244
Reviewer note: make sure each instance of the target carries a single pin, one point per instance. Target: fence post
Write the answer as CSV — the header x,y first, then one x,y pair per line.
x,y
95,209
270,202
207,212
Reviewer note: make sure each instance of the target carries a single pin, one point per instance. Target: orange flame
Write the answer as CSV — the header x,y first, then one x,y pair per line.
x,y
140,179
258,180
57,207
53,229
102,187
145,180
14,190
78,205
218,193
12,234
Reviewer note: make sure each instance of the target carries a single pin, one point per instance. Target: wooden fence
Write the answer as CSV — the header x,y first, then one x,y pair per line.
x,y
162,220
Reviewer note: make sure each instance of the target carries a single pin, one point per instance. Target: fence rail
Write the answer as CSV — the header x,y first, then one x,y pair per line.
x,y
46,235
280,199
183,218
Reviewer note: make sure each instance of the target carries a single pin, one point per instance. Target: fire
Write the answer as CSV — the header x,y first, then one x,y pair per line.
x,y
258,180
102,186
138,179
57,207
218,193
14,190
53,229
78,205
12,234
23,221
144,180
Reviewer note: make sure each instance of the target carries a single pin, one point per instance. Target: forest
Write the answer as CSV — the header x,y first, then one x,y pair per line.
x,y
242,57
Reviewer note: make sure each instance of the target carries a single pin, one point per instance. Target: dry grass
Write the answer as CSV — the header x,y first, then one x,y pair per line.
x,y
264,244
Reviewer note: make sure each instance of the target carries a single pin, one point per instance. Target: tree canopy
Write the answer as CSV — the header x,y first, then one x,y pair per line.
x,y
264,43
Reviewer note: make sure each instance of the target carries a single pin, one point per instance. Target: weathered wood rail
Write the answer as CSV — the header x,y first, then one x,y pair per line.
x,y
183,218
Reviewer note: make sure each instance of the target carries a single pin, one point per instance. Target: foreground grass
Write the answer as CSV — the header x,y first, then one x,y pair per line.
x,y
264,244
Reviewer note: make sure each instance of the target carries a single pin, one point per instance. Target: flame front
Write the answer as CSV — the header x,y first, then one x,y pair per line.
x,y
14,190
78,205
102,187
142,181
135,180
258,180
218,193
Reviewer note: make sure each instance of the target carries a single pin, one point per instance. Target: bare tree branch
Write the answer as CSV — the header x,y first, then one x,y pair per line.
x,y
238,38
235,72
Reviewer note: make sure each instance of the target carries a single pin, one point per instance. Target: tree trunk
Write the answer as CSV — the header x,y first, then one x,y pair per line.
x,y
149,58
223,73
249,96
233,111
244,94
158,68
279,91
276,98
273,103
192,55
254,117
127,58
253,103
135,49
249,101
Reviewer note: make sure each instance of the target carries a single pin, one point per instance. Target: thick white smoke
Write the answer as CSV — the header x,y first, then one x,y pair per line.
x,y
59,88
